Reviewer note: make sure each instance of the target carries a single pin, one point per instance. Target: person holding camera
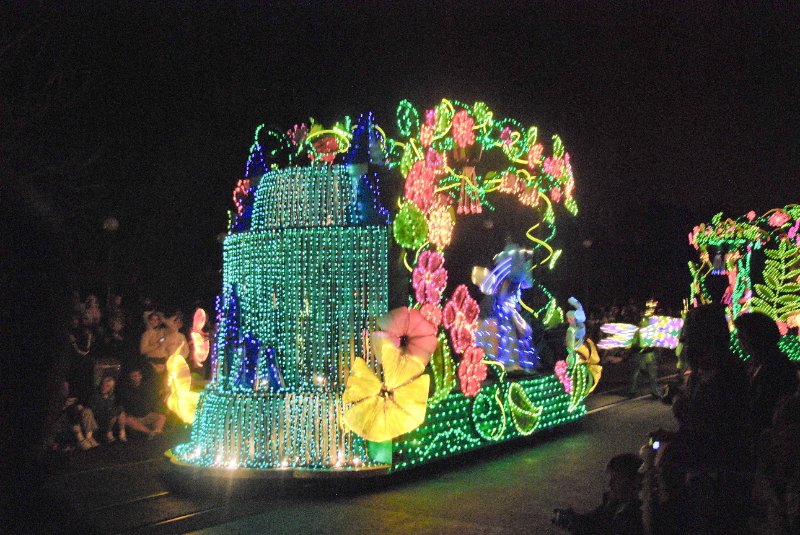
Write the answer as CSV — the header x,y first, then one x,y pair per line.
x,y
620,511
713,432
667,506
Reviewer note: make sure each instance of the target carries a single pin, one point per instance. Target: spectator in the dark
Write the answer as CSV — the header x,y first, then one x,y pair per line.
x,y
74,323
92,310
81,351
620,511
139,401
107,412
76,305
145,307
772,375
71,423
114,310
118,346
778,476
152,345
631,312
716,401
712,415
666,503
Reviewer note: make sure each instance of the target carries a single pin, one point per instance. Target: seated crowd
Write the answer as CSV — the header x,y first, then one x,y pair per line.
x,y
731,465
111,378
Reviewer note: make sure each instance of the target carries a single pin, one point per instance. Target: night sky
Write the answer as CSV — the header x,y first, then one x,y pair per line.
x,y
145,112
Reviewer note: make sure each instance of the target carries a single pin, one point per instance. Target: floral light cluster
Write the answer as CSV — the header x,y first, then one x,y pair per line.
x,y
439,153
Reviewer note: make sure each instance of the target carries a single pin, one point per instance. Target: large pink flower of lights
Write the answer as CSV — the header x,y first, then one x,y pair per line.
x,y
472,371
420,186
408,330
432,312
779,218
462,129
552,166
460,316
429,277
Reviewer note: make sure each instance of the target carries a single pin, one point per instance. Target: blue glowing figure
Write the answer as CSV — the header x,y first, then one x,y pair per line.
x,y
504,334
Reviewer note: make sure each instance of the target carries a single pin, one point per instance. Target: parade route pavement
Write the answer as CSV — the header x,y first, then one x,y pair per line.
x,y
509,488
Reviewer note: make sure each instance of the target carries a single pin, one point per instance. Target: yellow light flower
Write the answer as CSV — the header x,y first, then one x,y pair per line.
x,y
182,401
589,356
386,409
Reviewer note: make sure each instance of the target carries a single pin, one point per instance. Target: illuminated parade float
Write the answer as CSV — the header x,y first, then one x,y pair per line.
x,y
754,264
343,346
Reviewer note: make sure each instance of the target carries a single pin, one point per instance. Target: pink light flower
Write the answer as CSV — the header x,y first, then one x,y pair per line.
x,y
430,117
461,310
429,277
432,312
561,372
779,218
793,231
434,161
462,129
505,136
407,329
693,237
460,316
751,215
462,338
472,371
420,186
783,327
535,155
552,166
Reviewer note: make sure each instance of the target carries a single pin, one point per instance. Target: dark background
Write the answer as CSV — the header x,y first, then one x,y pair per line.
x,y
144,111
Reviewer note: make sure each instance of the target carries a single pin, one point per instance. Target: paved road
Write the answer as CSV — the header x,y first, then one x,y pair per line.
x,y
508,489
513,490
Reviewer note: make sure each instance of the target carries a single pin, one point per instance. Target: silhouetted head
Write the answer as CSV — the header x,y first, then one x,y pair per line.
x,y
706,337
758,336
623,473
